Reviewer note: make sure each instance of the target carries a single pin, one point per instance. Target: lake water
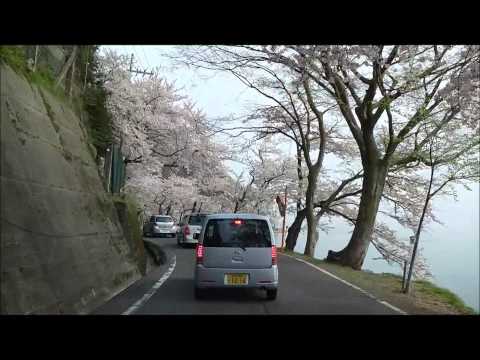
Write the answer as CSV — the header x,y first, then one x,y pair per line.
x,y
452,250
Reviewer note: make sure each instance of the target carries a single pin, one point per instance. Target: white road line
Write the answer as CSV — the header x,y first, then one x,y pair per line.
x,y
153,289
350,284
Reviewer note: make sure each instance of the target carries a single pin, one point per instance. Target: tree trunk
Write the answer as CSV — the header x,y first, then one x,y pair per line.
x,y
294,230
354,253
300,179
313,243
309,206
72,80
66,67
169,208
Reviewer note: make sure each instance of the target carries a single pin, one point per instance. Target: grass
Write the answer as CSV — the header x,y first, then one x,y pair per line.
x,y
15,57
90,103
425,297
434,293
43,76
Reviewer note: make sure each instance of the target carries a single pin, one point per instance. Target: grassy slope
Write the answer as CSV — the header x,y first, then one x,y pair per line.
x,y
15,57
425,298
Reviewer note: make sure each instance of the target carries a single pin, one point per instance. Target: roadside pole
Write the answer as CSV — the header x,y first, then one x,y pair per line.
x,y
284,215
405,264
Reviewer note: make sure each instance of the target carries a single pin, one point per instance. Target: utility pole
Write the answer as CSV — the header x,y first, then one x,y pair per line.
x,y
137,71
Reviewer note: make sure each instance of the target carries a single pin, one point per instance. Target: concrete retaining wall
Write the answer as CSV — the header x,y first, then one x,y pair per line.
x,y
62,247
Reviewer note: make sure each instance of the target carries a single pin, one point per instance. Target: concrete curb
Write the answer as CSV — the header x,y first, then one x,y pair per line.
x,y
349,284
165,262
156,252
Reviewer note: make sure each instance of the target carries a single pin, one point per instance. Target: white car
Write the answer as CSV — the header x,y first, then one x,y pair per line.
x,y
189,229
160,225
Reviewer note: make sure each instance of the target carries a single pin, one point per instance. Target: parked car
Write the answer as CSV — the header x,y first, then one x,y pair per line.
x,y
236,251
189,229
160,225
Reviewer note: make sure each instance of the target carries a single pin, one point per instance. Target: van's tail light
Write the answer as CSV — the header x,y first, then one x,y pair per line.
x,y
274,255
199,253
186,230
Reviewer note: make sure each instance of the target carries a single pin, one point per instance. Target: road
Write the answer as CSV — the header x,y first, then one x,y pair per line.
x,y
303,290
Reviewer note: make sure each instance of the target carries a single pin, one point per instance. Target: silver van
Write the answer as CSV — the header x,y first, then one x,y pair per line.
x,y
235,251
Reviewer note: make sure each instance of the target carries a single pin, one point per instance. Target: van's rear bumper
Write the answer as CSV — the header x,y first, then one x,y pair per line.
x,y
215,277
188,240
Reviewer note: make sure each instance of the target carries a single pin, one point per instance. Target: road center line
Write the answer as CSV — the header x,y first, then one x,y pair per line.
x,y
153,289
351,285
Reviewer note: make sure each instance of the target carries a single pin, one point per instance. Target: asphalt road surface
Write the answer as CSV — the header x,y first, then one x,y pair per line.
x,y
303,290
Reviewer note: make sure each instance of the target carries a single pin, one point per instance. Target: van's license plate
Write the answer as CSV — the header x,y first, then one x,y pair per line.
x,y
236,279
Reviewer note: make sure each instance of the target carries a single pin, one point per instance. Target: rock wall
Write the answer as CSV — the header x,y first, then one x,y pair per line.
x,y
62,247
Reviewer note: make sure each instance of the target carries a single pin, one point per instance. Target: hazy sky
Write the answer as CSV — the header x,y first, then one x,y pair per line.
x,y
451,249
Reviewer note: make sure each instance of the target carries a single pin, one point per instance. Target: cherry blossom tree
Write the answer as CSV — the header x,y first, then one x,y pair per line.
x,y
447,166
174,160
384,94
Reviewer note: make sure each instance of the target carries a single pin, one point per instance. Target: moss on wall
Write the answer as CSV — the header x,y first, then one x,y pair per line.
x,y
129,215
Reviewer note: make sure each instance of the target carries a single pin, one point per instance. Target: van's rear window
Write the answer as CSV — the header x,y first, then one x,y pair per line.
x,y
196,219
237,233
